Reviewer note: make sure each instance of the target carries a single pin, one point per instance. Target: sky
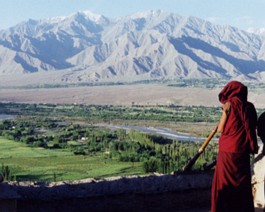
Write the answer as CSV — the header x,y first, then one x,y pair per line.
x,y
244,14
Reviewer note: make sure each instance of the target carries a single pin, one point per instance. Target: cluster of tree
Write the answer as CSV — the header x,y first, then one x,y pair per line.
x,y
6,174
157,154
109,113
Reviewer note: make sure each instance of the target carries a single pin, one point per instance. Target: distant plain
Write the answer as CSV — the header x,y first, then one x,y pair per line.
x,y
138,94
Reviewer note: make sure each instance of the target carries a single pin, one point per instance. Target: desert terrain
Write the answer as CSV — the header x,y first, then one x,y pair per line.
x,y
139,94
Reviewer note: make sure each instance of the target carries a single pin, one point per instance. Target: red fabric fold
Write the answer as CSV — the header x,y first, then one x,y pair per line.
x,y
231,191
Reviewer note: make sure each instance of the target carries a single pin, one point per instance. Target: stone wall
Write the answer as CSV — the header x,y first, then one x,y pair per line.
x,y
183,190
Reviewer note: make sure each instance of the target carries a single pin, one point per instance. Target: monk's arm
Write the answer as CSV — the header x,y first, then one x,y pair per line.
x,y
225,113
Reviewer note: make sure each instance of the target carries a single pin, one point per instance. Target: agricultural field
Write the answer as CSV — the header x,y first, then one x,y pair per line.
x,y
38,164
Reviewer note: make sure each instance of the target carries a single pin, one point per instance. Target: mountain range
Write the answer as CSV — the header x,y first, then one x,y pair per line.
x,y
151,45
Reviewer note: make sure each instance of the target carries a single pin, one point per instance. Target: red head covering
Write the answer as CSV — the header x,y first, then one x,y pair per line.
x,y
233,89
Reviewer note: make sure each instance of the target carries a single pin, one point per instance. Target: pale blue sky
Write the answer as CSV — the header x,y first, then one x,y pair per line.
x,y
243,14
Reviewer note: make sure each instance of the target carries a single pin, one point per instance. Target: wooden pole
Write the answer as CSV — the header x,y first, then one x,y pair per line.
x,y
189,165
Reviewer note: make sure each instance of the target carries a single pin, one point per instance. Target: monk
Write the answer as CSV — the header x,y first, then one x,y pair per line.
x,y
231,186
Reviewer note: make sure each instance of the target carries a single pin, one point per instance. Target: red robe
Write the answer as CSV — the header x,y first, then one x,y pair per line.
x,y
231,187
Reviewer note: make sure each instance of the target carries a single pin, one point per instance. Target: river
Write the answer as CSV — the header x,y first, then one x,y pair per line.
x,y
5,116
164,132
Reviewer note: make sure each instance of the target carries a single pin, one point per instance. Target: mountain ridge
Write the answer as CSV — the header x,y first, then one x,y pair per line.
x,y
149,45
